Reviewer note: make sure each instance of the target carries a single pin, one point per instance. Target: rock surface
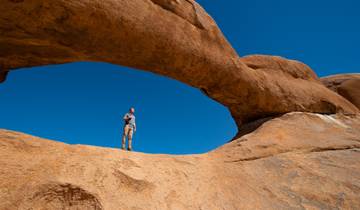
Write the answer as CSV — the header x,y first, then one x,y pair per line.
x,y
281,159
296,161
174,38
347,85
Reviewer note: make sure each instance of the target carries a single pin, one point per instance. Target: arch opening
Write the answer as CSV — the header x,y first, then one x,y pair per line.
x,y
83,103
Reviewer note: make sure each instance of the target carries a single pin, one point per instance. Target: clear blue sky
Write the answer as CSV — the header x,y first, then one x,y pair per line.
x,y
83,103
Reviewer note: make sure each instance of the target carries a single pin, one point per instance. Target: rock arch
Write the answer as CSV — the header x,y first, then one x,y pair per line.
x,y
174,38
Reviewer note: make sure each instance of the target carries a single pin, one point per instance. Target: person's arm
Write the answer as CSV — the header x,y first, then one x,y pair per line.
x,y
134,128
126,117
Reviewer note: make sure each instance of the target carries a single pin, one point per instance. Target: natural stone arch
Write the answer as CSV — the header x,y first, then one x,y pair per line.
x,y
174,38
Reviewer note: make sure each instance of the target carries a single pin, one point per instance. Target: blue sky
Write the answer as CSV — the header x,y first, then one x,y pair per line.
x,y
83,103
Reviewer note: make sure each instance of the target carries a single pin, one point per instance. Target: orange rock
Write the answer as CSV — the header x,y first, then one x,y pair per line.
x,y
280,160
347,85
298,160
174,38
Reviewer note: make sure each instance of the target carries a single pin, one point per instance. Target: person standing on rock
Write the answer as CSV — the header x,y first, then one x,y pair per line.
x,y
129,128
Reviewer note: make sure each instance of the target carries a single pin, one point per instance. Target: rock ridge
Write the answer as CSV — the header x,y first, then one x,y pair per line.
x,y
296,161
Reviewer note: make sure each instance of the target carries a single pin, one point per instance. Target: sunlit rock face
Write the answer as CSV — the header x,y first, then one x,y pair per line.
x,y
298,145
296,161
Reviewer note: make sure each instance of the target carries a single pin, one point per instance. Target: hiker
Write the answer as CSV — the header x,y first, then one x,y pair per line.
x,y
129,128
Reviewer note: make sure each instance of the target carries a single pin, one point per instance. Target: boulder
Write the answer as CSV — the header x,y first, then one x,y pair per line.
x,y
347,85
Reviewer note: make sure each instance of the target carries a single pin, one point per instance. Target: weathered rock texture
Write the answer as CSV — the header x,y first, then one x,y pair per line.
x,y
175,38
347,85
295,161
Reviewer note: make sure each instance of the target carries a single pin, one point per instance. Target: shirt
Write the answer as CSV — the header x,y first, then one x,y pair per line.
x,y
131,120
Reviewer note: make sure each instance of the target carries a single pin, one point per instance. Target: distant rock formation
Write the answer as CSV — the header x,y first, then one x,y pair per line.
x,y
174,38
297,161
347,85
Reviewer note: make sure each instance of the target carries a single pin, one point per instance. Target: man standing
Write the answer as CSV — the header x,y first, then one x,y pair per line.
x,y
129,128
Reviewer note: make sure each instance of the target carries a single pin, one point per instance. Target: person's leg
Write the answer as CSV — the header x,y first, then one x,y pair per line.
x,y
125,134
130,135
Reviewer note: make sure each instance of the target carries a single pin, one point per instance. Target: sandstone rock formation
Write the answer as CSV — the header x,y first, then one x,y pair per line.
x,y
281,159
297,161
175,38
347,85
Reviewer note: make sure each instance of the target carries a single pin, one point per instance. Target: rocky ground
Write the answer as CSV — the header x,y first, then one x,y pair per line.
x,y
296,161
